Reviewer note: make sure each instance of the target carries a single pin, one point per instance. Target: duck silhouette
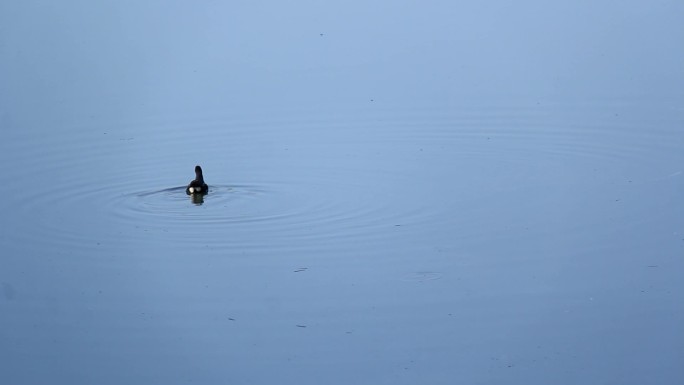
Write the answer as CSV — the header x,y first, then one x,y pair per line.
x,y
197,186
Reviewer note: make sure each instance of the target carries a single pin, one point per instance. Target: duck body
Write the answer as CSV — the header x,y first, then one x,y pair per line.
x,y
197,186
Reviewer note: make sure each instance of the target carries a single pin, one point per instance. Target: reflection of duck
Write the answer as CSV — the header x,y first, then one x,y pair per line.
x,y
197,186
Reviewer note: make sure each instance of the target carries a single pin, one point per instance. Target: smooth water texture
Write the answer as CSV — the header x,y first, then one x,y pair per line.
x,y
400,193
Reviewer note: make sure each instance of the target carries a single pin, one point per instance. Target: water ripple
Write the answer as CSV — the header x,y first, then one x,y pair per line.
x,y
313,182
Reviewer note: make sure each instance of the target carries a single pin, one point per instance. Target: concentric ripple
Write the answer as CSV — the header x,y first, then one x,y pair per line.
x,y
302,184
171,204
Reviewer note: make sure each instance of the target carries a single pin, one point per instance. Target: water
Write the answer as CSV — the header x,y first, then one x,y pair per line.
x,y
350,235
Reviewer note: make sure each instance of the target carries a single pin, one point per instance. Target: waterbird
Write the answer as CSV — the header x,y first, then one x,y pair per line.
x,y
197,186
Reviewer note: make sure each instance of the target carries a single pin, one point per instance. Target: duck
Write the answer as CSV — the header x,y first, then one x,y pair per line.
x,y
197,186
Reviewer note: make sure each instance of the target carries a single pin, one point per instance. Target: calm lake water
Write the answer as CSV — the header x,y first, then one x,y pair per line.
x,y
374,217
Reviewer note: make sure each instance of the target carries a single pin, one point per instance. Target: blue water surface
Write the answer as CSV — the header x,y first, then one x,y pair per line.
x,y
400,193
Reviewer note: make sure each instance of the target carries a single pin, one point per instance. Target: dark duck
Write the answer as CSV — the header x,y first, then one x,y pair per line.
x,y
197,186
